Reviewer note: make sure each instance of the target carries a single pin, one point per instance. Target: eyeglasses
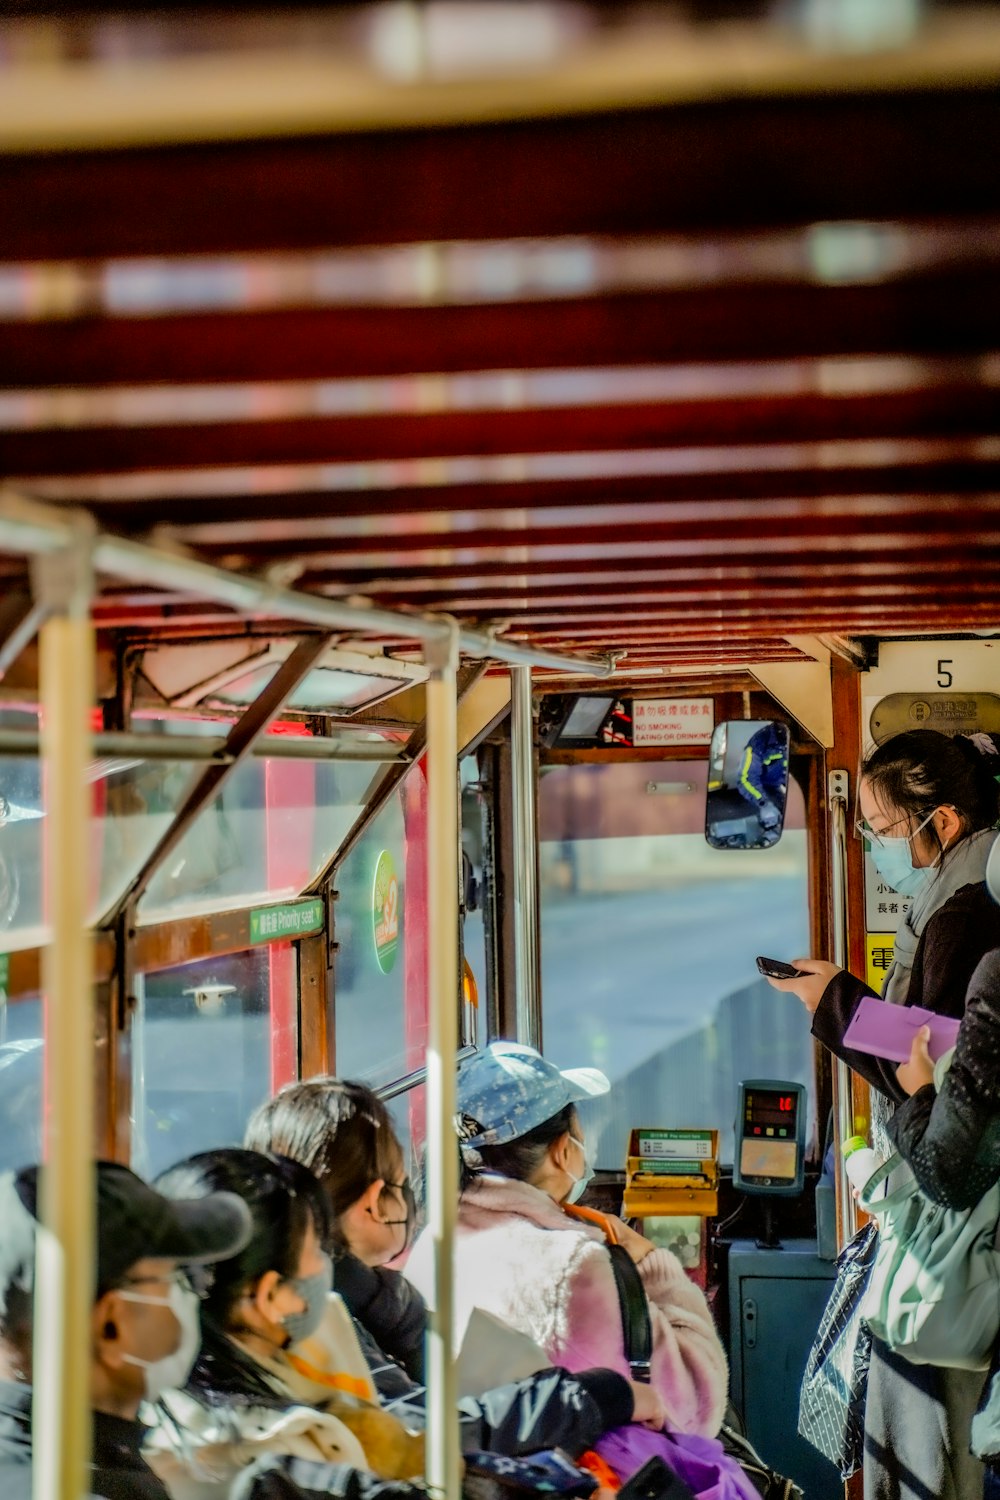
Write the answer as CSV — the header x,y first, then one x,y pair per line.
x,y
865,832
405,1191
179,1278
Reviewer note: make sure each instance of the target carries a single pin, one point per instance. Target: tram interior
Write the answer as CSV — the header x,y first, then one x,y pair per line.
x,y
654,346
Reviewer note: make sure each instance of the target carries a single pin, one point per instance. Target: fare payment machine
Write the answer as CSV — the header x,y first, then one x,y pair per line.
x,y
770,1137
770,1145
777,1292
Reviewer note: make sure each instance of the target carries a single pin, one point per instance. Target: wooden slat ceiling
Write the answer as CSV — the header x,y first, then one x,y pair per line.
x,y
675,382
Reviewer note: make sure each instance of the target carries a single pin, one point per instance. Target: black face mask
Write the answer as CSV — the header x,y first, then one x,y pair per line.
x,y
410,1221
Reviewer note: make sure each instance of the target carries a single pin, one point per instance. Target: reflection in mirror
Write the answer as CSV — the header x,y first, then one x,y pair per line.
x,y
747,784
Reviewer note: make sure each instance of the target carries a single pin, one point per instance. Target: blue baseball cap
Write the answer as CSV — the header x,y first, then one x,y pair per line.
x,y
508,1089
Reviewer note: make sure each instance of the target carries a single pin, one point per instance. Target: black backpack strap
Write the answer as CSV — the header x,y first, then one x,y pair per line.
x,y
637,1327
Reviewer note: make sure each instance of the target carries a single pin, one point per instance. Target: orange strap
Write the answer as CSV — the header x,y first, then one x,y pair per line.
x,y
602,1471
592,1216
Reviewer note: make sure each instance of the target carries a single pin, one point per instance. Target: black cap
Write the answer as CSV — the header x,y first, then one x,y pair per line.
x,y
134,1222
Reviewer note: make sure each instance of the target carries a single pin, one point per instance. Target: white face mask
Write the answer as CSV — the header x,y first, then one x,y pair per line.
x,y
579,1187
171,1372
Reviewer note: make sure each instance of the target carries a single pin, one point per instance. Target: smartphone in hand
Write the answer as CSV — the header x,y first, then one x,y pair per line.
x,y
655,1481
773,968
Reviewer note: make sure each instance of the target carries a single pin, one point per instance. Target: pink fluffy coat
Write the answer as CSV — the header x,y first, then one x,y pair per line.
x,y
518,1256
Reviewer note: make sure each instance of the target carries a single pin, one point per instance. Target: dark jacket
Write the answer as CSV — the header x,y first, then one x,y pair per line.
x,y
118,1470
950,947
297,1479
392,1310
951,1139
550,1410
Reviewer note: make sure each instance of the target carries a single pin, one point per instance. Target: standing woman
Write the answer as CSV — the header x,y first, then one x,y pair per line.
x,y
929,805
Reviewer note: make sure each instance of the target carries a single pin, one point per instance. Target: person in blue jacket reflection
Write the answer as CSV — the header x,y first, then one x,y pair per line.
x,y
763,776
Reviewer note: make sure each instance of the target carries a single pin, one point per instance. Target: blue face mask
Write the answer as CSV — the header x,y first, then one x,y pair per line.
x,y
579,1187
314,1290
893,859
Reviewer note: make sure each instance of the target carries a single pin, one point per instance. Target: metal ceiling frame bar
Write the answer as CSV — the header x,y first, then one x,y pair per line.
x,y
30,526
21,617
110,744
238,745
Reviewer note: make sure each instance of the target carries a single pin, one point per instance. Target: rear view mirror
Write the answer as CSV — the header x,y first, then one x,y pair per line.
x,y
747,784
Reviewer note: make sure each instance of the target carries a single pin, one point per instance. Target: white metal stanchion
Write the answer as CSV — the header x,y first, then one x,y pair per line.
x,y
64,1290
843,1095
443,1455
528,998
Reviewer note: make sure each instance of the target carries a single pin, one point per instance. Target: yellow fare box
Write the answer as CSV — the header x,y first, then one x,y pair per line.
x,y
671,1172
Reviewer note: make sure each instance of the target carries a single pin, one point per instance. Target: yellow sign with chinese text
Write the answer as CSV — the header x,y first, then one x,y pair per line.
x,y
878,953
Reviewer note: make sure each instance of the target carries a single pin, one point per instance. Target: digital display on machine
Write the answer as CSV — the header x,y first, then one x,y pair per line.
x,y
770,1137
767,1112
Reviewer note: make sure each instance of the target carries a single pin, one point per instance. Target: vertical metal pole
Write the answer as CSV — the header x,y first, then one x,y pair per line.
x,y
843,1100
64,1289
443,1454
528,997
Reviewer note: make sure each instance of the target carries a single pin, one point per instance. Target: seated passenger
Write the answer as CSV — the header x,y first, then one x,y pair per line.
x,y
344,1133
273,1394
520,1257
144,1329
250,1393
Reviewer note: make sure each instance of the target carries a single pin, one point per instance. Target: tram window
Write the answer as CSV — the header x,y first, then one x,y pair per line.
x,y
381,910
132,805
20,1083
409,1120
648,945
273,826
210,1040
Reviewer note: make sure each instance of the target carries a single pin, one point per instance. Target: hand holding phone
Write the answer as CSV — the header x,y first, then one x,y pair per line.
x,y
773,968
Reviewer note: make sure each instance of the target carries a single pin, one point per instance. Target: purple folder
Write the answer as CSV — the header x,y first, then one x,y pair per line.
x,y
886,1030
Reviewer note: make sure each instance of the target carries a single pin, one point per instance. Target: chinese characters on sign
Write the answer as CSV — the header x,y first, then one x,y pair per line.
x,y
672,721
878,951
884,907
271,923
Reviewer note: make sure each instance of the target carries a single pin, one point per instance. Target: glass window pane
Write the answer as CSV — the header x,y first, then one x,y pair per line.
x,y
132,805
648,946
409,1119
272,827
205,1053
381,920
20,1083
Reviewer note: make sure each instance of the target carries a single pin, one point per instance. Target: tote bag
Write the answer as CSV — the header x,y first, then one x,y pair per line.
x,y
835,1382
934,1291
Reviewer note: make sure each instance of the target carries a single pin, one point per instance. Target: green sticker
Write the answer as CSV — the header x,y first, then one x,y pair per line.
x,y
385,912
268,924
4,973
